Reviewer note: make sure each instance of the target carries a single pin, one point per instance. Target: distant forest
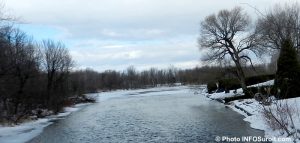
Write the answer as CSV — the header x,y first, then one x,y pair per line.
x,y
88,80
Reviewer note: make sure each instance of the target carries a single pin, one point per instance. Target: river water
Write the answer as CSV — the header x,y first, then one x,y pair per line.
x,y
172,115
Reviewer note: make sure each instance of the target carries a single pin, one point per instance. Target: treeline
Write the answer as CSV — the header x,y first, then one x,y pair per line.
x,y
32,75
84,81
207,74
88,80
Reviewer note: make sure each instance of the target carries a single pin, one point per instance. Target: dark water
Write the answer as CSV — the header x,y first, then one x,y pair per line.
x,y
182,117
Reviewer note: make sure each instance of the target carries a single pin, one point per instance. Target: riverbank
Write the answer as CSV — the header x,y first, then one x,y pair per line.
x,y
41,118
253,111
25,131
42,112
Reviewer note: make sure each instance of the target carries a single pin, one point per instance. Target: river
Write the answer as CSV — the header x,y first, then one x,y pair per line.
x,y
161,115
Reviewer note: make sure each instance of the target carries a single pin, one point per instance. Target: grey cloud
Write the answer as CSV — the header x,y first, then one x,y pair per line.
x,y
172,51
116,33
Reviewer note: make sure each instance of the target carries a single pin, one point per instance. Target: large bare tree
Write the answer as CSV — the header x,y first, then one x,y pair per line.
x,y
280,23
57,63
228,34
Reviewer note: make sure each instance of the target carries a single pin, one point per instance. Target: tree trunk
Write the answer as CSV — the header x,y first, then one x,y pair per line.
x,y
5,106
16,107
242,78
241,75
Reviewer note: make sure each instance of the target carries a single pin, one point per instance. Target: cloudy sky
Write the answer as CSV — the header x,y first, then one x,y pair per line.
x,y
114,34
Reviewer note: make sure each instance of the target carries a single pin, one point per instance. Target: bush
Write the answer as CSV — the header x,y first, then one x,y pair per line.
x,y
233,83
259,79
229,84
211,86
253,89
262,90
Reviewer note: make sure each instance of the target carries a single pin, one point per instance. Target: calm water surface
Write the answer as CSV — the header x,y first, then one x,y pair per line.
x,y
161,117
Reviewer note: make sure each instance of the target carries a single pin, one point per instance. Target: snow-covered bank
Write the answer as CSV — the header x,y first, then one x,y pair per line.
x,y
26,131
256,116
253,111
232,93
222,95
270,82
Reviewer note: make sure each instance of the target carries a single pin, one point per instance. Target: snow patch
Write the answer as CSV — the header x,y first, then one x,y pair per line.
x,y
257,120
103,96
252,110
23,132
267,83
234,93
26,131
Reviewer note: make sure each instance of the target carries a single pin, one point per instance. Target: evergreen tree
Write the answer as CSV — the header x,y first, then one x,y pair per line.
x,y
288,71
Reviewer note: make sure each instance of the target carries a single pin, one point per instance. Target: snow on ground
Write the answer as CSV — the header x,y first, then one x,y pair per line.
x,y
252,111
256,119
270,82
26,131
232,93
103,96
222,95
23,132
252,107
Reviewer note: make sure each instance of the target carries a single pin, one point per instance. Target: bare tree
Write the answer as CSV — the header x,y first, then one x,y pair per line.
x,y
112,80
57,63
282,22
228,35
153,78
19,64
171,75
24,61
131,77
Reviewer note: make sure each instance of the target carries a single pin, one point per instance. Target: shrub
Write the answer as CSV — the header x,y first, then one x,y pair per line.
x,y
229,84
262,89
233,83
258,79
211,86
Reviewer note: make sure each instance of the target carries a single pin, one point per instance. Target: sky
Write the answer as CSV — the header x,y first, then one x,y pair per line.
x,y
115,34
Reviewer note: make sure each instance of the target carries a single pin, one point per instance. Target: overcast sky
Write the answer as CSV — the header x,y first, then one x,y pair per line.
x,y
113,34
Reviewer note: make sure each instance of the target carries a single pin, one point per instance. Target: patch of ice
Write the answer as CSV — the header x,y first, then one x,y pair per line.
x,y
27,131
103,96
23,132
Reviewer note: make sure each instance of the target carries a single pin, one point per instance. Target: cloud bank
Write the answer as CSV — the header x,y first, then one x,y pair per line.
x,y
113,34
